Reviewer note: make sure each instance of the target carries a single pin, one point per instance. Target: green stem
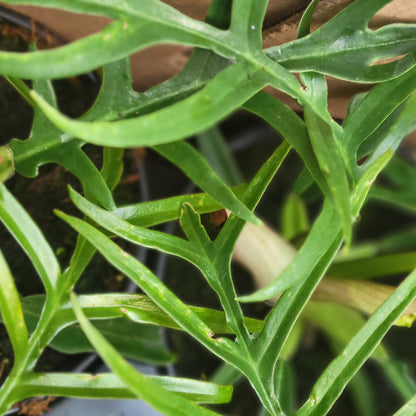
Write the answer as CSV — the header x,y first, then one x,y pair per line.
x,y
235,320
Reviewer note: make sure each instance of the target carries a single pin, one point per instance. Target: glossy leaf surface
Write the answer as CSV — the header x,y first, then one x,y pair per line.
x,y
30,238
157,397
109,386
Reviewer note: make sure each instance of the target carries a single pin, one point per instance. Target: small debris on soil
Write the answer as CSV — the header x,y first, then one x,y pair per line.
x,y
35,407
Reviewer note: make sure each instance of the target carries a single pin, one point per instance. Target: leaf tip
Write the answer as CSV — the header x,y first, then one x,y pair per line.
x,y
259,296
60,214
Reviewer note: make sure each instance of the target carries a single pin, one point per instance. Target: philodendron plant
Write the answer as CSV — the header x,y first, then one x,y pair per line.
x,y
228,70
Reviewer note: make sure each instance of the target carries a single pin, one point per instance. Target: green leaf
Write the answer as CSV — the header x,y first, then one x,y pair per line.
x,y
116,94
226,374
401,192
196,168
223,248
215,150
194,230
284,386
247,22
201,67
294,218
139,27
226,92
327,316
162,400
132,340
379,141
219,13
109,386
324,136
374,108
203,247
287,123
110,104
399,375
326,390
151,285
113,166
367,178
11,312
333,167
362,393
324,233
30,238
135,234
138,308
283,317
346,48
304,28
403,239
156,212
294,341
48,144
